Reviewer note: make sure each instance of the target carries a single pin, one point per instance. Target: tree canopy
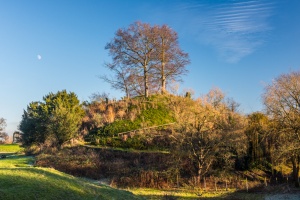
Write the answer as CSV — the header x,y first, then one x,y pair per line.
x,y
282,102
144,55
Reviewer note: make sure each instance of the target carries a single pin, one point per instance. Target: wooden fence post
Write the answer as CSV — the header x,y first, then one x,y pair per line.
x,y
266,184
204,184
216,185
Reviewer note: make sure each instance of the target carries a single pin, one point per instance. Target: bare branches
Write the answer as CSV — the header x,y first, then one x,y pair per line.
x,y
2,124
144,55
282,100
3,136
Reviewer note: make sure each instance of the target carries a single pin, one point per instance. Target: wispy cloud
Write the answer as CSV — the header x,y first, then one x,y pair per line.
x,y
234,28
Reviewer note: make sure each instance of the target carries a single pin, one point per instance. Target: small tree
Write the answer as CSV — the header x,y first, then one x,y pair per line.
x,y
122,79
3,137
134,47
208,132
58,116
260,140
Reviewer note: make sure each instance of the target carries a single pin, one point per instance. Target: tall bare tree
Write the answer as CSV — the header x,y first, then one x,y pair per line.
x,y
171,60
134,47
282,101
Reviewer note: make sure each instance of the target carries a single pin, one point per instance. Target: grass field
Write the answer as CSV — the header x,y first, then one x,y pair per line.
x,y
19,180
10,148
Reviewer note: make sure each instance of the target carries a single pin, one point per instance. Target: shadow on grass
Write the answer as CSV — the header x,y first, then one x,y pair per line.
x,y
16,160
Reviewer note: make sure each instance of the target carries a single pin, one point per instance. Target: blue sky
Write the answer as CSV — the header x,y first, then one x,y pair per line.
x,y
237,46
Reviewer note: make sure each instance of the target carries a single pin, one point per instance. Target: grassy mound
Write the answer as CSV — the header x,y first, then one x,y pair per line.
x,y
132,123
20,181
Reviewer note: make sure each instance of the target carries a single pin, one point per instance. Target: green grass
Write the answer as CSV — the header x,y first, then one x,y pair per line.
x,y
10,148
186,194
18,180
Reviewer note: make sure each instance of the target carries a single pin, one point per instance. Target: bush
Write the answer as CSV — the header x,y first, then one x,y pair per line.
x,y
32,150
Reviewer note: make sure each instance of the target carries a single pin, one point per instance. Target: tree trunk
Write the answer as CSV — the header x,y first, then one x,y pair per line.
x,y
163,84
199,173
127,92
163,76
146,81
295,163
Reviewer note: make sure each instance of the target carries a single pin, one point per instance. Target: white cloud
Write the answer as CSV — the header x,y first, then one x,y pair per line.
x,y
39,57
234,28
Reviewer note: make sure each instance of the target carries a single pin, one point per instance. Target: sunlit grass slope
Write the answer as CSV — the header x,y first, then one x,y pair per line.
x,y
20,181
10,148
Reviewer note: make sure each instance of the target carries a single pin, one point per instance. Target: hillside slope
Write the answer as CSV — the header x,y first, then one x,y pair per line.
x,y
18,180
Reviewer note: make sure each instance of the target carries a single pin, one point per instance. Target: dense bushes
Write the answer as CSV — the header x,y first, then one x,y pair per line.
x,y
139,169
123,168
151,141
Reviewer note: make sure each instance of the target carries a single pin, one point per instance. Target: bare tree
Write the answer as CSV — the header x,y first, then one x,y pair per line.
x,y
2,124
123,77
144,55
134,47
3,136
99,97
171,60
207,132
282,101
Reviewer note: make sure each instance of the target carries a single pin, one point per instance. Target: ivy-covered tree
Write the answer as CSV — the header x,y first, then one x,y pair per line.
x,y
260,140
59,117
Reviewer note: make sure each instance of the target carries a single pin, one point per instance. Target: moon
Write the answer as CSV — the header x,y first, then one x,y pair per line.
x,y
39,57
